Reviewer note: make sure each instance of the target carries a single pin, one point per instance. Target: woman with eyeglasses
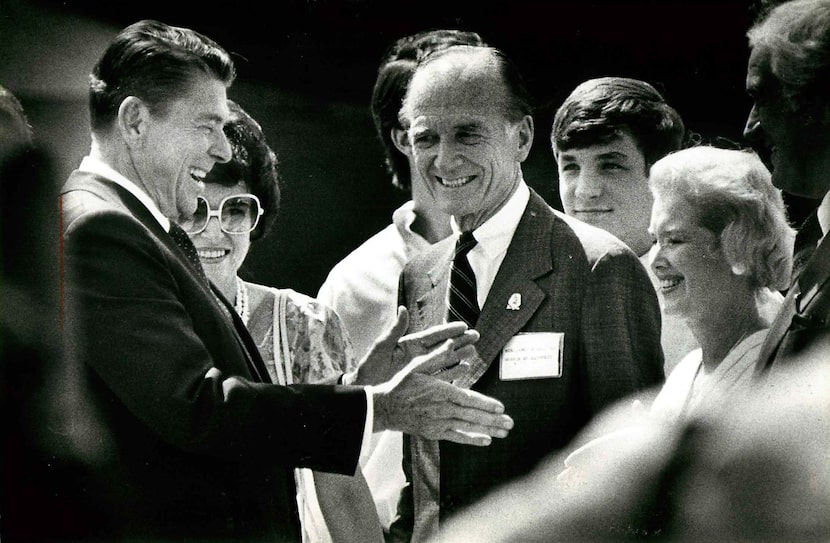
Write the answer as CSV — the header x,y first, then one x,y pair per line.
x,y
301,340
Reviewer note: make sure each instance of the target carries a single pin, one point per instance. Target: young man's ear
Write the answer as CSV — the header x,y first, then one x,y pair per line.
x,y
401,141
133,118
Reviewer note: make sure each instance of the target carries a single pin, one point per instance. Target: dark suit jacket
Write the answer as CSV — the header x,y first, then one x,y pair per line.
x,y
573,278
806,241
801,331
195,445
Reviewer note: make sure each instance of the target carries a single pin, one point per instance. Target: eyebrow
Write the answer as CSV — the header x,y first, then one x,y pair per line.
x,y
469,126
762,83
418,130
753,85
602,156
672,230
612,154
212,117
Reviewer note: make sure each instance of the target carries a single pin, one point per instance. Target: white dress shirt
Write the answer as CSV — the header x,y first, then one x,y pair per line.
x,y
363,290
823,214
494,236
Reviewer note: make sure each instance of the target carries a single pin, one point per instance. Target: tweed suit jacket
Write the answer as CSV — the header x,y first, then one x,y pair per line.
x,y
573,279
196,444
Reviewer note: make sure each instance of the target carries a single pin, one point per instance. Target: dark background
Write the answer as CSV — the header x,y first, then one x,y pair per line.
x,y
306,70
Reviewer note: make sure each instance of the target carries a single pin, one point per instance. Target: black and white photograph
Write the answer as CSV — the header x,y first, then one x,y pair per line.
x,y
497,271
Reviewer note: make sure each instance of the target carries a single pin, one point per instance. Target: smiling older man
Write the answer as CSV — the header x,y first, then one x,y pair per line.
x,y
568,319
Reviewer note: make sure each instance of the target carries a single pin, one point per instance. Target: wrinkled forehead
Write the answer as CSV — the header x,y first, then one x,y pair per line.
x,y
456,85
451,121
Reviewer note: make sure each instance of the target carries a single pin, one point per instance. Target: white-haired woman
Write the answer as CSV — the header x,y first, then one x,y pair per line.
x,y
724,249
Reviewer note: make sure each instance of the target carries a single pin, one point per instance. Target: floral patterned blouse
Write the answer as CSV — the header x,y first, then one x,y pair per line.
x,y
319,348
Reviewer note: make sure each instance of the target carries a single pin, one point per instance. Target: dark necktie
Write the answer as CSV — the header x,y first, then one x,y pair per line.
x,y
183,241
463,302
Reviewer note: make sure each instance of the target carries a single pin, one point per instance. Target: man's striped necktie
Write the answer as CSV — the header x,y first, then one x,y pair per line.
x,y
463,302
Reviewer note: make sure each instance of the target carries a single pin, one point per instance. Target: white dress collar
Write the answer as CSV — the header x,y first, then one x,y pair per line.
x,y
95,166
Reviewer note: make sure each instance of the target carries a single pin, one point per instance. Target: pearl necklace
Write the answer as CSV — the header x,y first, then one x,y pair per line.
x,y
241,303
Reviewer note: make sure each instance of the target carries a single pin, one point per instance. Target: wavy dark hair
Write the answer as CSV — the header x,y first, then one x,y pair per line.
x,y
253,162
598,110
155,62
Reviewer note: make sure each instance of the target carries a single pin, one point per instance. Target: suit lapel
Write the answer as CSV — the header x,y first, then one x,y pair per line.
x,y
815,275
777,331
243,336
114,193
797,309
107,190
528,257
806,241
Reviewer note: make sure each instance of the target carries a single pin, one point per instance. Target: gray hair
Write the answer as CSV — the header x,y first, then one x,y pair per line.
x,y
796,35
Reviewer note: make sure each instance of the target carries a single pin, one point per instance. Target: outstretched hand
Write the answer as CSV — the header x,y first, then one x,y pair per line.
x,y
426,406
429,351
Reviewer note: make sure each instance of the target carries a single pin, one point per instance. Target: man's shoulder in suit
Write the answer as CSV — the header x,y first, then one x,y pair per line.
x,y
567,232
596,242
85,196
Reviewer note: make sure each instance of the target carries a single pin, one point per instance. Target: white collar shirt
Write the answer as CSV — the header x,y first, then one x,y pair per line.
x,y
494,237
95,166
823,214
403,218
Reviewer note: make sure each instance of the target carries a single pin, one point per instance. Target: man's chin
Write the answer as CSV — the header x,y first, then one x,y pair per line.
x,y
799,183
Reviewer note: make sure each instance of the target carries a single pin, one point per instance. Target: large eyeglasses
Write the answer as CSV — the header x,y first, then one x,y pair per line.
x,y
237,214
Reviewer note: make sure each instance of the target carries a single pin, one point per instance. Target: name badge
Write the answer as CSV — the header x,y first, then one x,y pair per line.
x,y
532,355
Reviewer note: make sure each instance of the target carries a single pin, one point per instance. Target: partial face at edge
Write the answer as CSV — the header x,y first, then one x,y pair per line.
x,y
795,152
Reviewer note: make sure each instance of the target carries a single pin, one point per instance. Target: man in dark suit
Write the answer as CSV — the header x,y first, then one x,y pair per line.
x,y
568,319
789,127
185,438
